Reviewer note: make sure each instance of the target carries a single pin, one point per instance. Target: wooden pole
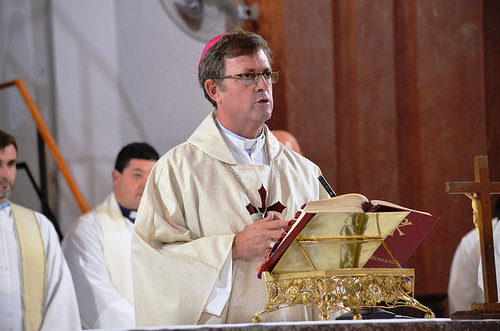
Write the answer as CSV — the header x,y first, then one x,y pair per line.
x,y
50,142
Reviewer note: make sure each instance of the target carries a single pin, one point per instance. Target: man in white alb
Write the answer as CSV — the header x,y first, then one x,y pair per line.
x,y
97,247
36,289
214,204
465,285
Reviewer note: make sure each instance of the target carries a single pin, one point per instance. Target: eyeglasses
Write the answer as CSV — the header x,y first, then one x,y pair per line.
x,y
249,78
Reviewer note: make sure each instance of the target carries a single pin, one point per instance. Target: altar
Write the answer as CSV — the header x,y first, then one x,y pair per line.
x,y
381,324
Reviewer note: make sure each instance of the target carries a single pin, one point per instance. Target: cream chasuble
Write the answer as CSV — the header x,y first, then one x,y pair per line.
x,y
196,199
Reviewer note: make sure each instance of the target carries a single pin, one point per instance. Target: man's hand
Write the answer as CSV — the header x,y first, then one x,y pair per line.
x,y
255,240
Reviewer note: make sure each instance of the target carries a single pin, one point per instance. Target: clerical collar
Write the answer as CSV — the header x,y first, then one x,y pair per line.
x,y
130,214
4,205
252,148
247,143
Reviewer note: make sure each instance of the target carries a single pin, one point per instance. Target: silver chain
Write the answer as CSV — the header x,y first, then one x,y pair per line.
x,y
247,192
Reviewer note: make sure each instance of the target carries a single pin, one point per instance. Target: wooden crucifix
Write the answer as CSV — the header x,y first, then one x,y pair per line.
x,y
480,191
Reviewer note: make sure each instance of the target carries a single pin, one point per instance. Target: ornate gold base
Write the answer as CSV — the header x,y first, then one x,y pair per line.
x,y
343,289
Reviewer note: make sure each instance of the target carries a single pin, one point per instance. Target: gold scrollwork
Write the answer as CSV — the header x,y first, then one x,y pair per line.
x,y
353,289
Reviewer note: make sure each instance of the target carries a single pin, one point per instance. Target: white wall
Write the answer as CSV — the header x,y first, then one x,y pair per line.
x,y
87,103
123,72
103,73
161,102
25,54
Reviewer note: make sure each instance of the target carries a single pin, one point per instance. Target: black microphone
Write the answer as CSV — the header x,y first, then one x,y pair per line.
x,y
327,187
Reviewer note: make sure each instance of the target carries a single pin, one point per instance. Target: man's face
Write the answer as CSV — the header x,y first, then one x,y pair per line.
x,y
129,185
244,109
8,161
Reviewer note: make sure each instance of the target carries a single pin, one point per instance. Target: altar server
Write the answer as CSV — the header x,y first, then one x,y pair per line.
x,y
465,285
214,204
36,289
97,247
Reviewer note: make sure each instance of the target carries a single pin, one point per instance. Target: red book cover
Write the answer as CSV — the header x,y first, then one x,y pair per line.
x,y
403,241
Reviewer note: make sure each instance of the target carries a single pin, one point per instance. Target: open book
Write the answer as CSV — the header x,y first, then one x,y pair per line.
x,y
349,231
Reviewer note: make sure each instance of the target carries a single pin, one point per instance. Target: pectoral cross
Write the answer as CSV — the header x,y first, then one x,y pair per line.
x,y
480,191
277,206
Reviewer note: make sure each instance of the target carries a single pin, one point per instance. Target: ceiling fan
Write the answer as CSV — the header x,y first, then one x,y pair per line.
x,y
205,19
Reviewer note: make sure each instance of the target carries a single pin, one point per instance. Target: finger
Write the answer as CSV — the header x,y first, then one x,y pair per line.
x,y
266,219
275,234
271,217
277,224
274,216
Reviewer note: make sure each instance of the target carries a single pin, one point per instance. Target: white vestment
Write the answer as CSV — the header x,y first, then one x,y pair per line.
x,y
60,308
465,285
196,199
101,267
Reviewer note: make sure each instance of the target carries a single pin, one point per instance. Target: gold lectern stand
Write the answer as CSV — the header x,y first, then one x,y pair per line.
x,y
351,289
324,273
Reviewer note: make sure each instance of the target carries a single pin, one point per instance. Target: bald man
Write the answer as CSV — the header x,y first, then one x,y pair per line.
x,y
287,139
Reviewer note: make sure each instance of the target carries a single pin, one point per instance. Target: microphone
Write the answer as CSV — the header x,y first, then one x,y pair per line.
x,y
327,187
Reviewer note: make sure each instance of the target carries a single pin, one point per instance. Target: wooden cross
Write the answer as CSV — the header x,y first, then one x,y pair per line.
x,y
483,188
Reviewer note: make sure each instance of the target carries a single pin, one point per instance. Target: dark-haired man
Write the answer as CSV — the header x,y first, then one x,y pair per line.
x,y
214,204
36,289
97,247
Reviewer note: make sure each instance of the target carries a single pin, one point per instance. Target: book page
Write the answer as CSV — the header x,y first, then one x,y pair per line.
x,y
378,205
349,203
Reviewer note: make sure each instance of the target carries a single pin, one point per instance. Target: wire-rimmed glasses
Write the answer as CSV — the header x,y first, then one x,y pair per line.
x,y
249,78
